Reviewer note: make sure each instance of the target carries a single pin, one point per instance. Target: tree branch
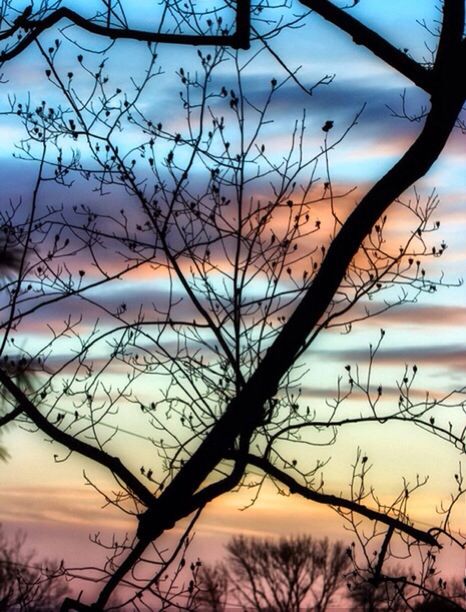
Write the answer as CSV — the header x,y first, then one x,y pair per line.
x,y
243,24
383,551
7,418
114,464
362,35
130,561
451,36
339,502
35,27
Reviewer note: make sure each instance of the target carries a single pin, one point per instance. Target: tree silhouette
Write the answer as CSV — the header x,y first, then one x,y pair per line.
x,y
403,588
281,575
212,588
448,601
26,585
250,281
401,594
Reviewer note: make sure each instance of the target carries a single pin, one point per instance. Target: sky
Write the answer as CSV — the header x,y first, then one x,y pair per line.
x,y
51,500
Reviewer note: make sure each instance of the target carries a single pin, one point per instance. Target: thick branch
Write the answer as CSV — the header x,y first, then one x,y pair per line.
x,y
11,416
166,514
243,24
451,38
73,444
73,604
35,27
362,35
340,502
133,557
382,554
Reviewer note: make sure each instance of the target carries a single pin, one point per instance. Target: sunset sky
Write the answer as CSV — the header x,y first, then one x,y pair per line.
x,y
49,500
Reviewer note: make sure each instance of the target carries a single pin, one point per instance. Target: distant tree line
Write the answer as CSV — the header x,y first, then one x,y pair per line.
x,y
302,573
27,585
264,575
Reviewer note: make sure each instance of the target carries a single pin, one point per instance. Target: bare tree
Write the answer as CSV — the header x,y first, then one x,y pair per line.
x,y
26,585
445,595
211,590
399,592
250,281
392,594
283,575
403,586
